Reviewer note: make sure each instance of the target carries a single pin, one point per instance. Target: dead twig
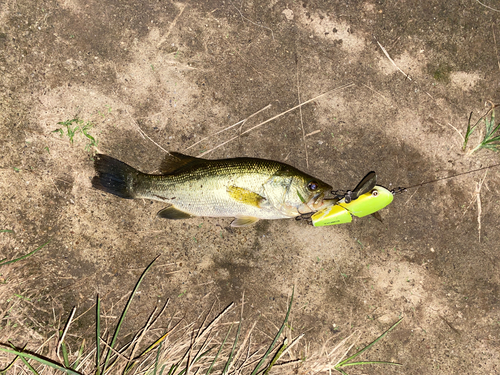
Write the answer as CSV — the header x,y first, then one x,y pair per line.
x,y
314,132
376,92
256,24
301,118
495,41
242,122
278,115
59,344
486,6
144,135
172,24
391,60
479,185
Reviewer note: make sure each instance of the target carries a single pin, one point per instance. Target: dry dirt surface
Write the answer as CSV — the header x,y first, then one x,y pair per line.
x,y
154,75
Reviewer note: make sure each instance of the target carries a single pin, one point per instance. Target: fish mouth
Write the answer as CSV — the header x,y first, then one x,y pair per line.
x,y
316,202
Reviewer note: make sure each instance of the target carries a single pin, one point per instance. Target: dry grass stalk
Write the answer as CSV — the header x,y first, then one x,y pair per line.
x,y
301,118
277,116
241,123
391,60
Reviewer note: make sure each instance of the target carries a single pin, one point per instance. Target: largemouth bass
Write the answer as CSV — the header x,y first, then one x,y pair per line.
x,y
247,189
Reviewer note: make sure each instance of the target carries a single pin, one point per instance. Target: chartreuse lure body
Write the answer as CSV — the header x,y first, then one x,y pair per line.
x,y
366,198
342,212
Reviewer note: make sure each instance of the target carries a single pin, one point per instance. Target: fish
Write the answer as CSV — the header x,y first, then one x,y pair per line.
x,y
247,189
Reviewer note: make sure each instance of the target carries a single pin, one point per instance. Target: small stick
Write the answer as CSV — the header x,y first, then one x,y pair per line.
x,y
65,331
486,6
460,134
454,128
376,92
172,24
479,209
496,48
314,132
279,115
301,119
293,343
242,122
256,24
411,197
391,60
144,135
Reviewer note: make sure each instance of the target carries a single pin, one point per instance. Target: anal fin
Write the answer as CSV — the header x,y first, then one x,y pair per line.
x,y
244,221
173,213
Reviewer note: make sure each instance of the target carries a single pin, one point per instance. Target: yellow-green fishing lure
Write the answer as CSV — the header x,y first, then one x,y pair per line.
x,y
367,198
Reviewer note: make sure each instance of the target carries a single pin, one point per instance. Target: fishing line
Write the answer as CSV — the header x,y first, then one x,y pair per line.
x,y
401,190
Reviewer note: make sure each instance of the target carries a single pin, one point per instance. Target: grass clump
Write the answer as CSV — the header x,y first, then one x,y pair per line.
x,y
348,361
206,348
491,138
77,126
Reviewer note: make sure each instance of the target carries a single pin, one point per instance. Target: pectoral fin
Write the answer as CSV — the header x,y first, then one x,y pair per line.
x,y
244,221
173,213
245,196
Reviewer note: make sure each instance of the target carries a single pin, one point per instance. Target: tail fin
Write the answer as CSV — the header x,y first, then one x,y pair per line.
x,y
114,176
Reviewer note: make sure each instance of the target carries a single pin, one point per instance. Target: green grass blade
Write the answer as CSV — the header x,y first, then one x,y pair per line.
x,y
276,356
344,362
6,369
24,256
98,336
65,355
60,131
271,347
468,132
28,365
157,358
490,124
41,360
230,358
6,231
219,351
80,354
31,368
173,368
124,313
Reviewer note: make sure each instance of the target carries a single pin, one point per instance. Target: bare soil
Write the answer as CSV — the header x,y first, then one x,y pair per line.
x,y
179,72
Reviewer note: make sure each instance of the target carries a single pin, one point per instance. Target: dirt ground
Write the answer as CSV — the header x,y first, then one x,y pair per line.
x,y
179,72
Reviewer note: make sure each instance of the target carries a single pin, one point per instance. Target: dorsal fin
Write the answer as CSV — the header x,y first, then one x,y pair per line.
x,y
174,161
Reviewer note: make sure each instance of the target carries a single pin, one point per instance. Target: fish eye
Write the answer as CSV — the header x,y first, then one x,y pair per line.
x,y
313,185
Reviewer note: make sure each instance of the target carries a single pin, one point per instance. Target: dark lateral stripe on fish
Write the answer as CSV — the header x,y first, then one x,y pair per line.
x,y
113,176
